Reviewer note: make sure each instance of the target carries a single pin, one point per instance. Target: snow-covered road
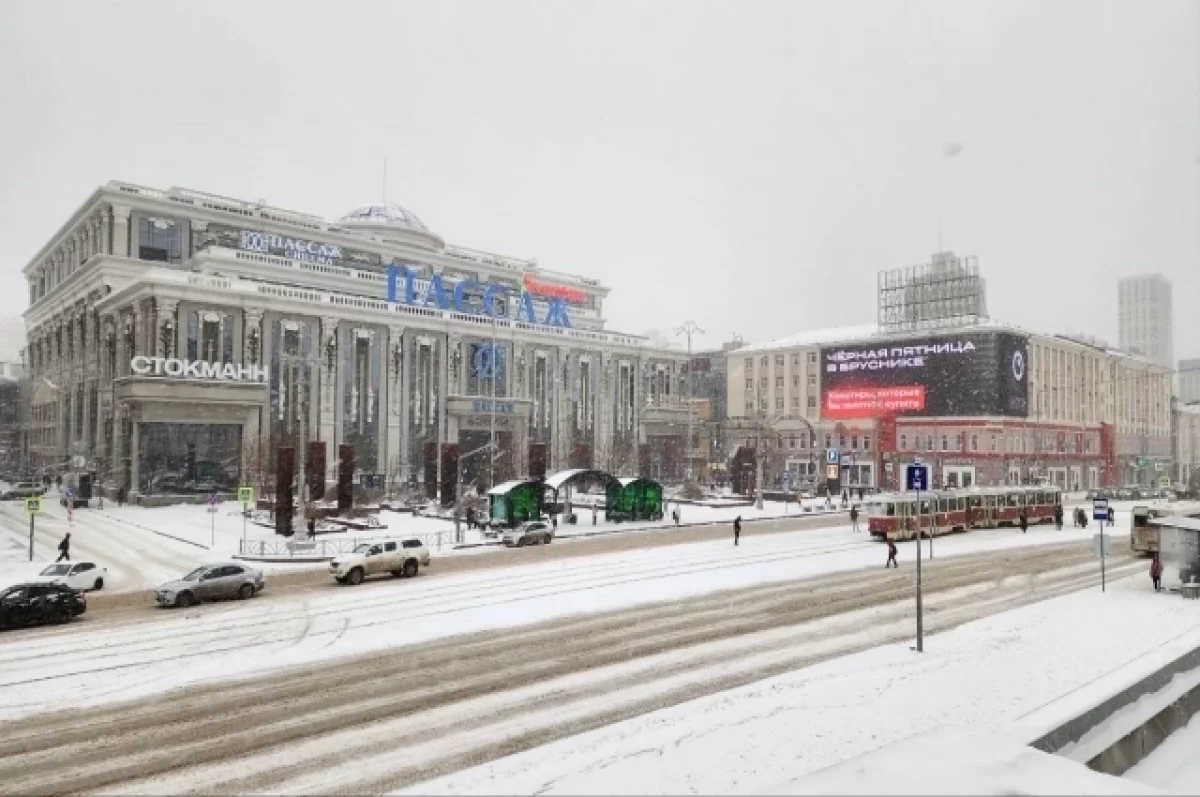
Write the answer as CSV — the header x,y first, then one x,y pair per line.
x,y
613,640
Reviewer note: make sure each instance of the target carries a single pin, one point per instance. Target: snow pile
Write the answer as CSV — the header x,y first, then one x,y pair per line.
x,y
1175,766
953,760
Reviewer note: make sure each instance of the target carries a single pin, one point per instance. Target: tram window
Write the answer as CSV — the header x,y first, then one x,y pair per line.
x,y
891,510
1014,499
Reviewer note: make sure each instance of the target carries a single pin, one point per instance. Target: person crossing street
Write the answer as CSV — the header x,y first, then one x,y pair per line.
x,y
737,529
854,517
891,560
64,549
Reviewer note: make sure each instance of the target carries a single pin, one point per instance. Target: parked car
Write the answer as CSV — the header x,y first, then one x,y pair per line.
x,y
212,583
400,558
531,533
76,575
22,490
39,603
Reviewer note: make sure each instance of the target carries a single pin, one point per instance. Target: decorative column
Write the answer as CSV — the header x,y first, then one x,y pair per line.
x,y
135,460
120,230
136,340
106,344
165,327
395,387
252,337
104,223
331,386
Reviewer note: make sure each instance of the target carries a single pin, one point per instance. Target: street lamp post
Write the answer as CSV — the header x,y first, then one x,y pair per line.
x,y
689,328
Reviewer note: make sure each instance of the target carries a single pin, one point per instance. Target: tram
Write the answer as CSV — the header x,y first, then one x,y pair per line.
x,y
894,516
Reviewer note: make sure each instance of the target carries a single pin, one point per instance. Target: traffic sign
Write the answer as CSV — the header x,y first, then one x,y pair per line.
x,y
1100,509
916,477
245,495
33,506
831,471
1101,544
69,493
832,455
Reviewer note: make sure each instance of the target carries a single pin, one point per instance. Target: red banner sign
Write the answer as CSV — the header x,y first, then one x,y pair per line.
x,y
573,295
872,402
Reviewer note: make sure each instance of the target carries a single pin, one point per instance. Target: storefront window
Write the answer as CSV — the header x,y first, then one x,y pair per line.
x,y
189,458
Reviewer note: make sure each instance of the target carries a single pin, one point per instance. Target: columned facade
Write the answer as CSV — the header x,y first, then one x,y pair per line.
x,y
182,343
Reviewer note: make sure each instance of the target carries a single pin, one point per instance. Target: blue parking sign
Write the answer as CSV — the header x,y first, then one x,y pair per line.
x,y
916,477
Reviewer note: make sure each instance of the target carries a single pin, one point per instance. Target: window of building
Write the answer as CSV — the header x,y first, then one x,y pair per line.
x,y
791,442
945,443
829,441
866,442
749,364
763,362
854,442
778,360
779,383
974,442
958,442
779,403
812,402
795,380
749,384
159,239
812,380
795,359
842,442
929,442
795,402
804,441
903,442
812,358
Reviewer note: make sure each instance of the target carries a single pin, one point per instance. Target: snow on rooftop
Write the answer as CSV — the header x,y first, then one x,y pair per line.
x,y
815,337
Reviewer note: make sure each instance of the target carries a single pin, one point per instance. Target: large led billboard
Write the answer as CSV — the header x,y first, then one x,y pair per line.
x,y
971,374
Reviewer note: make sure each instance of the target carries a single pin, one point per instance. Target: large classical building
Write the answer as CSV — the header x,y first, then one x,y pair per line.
x,y
984,404
178,340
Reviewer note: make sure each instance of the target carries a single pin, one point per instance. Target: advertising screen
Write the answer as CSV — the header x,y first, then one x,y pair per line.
x,y
978,373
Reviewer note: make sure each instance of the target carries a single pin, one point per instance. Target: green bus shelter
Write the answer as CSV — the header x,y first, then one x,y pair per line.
x,y
512,503
634,499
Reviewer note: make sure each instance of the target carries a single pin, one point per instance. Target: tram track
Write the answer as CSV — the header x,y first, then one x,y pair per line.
x,y
374,713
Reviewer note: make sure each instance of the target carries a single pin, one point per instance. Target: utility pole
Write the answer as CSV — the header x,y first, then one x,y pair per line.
x,y
303,384
495,363
689,328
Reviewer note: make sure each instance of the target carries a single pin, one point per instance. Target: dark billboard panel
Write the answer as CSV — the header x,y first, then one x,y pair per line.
x,y
969,374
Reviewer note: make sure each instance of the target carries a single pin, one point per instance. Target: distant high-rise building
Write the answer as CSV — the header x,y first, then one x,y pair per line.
x,y
1189,381
1145,317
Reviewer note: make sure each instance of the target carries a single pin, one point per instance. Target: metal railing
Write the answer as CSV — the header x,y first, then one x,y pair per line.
x,y
327,547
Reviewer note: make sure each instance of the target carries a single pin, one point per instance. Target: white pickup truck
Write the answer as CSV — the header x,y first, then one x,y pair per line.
x,y
398,557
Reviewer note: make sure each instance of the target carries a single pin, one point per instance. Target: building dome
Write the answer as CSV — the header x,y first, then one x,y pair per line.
x,y
383,214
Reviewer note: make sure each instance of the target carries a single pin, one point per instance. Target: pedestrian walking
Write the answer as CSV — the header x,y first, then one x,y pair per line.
x,y
100,501
854,517
891,560
675,515
593,514
1058,517
70,512
312,528
64,549
737,529
1156,573
1023,518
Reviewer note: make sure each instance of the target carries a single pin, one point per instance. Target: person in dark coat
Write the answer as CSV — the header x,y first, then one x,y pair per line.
x,y
1023,519
64,549
737,529
1156,573
312,527
854,517
891,560
1058,517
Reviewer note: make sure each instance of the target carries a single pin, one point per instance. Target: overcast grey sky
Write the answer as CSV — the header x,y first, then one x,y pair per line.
x,y
750,166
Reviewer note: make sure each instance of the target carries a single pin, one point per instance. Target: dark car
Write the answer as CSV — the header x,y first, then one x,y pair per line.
x,y
37,604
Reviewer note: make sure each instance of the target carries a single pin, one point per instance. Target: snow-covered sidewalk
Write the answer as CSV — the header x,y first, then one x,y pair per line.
x,y
995,674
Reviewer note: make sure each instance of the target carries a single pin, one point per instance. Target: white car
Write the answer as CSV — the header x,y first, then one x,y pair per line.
x,y
400,558
76,575
531,533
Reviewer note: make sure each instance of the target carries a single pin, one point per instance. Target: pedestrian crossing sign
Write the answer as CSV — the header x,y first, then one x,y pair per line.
x,y
245,495
33,506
